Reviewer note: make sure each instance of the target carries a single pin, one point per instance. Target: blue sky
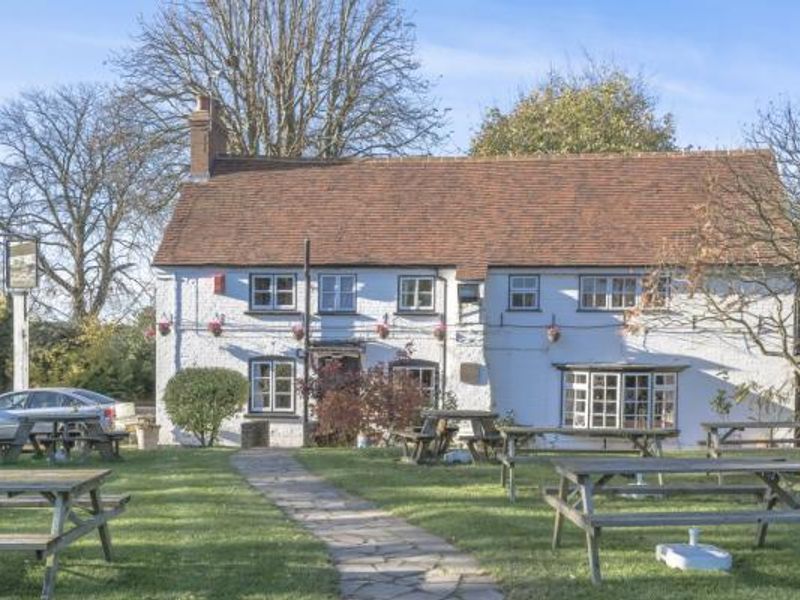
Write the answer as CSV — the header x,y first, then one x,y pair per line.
x,y
713,63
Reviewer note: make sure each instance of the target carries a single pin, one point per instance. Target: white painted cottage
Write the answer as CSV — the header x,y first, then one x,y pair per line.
x,y
496,250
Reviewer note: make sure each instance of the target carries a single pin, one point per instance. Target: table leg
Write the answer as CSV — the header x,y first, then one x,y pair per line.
x,y
563,491
105,536
592,533
512,490
770,500
60,512
20,437
659,452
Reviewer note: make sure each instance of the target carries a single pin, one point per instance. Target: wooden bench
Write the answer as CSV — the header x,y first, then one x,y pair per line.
x,y
582,479
40,543
108,501
415,443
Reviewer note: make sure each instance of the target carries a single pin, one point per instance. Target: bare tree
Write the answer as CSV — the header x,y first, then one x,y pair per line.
x,y
83,171
325,78
740,274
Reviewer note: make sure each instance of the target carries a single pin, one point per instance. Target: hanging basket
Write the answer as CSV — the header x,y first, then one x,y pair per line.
x,y
215,327
382,329
164,327
298,331
440,332
553,333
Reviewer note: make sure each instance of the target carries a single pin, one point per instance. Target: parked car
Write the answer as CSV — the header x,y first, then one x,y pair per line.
x,y
55,401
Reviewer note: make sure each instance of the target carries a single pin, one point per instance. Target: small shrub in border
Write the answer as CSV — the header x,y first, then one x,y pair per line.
x,y
200,399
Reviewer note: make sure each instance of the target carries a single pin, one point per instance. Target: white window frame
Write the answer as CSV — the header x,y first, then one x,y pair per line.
x,y
636,402
664,392
576,399
269,399
609,413
661,401
522,291
273,304
621,292
337,293
416,306
415,372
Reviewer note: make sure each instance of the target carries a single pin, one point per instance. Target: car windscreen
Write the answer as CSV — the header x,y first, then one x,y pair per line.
x,y
93,396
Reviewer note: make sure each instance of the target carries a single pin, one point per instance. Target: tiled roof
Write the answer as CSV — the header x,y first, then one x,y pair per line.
x,y
471,213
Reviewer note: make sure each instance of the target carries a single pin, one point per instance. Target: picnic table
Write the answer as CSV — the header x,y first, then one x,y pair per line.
x,y
644,442
435,436
718,435
65,491
584,478
67,429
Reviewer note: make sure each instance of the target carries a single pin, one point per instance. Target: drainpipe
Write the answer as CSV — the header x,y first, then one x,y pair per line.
x,y
444,341
306,326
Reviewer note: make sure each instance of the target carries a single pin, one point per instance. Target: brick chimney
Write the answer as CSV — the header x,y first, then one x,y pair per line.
x,y
208,137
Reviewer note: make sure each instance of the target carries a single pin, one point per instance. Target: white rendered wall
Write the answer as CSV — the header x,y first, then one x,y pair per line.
x,y
518,373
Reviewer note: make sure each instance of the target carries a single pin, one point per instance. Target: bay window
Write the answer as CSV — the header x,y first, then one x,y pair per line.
x,y
625,399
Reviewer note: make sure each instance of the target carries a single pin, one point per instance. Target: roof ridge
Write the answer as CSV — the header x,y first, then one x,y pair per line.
x,y
554,156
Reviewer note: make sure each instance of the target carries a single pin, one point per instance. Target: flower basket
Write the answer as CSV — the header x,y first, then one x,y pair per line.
x,y
553,333
149,333
440,332
215,327
298,331
164,327
382,329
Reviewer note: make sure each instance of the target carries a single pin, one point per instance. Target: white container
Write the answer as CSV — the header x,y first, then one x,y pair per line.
x,y
694,556
147,437
362,441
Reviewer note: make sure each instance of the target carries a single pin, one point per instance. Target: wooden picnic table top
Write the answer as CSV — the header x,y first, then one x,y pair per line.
x,y
750,425
523,430
21,481
460,414
61,417
632,466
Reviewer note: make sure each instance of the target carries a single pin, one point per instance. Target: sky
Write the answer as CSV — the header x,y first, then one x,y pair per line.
x,y
713,64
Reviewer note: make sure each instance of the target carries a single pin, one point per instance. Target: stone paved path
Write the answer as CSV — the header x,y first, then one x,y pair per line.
x,y
378,556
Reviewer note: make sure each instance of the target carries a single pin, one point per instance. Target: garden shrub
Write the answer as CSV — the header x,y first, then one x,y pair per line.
x,y
372,402
200,399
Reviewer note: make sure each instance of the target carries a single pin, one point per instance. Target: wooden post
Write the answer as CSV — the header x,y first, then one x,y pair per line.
x,y
20,311
307,327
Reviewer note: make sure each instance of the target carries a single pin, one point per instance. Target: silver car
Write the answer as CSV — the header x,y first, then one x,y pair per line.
x,y
55,401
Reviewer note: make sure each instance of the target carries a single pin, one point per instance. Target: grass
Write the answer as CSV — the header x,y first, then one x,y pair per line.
x,y
465,505
193,530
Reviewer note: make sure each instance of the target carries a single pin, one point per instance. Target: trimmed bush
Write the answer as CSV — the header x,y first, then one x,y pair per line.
x,y
200,399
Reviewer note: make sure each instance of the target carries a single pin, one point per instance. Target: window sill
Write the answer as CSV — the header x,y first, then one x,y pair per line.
x,y
524,310
258,313
336,313
256,416
416,313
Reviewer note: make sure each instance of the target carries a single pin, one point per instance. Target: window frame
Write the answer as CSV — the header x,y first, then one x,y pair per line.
x,y
273,306
416,309
338,294
639,292
653,420
538,292
433,395
269,407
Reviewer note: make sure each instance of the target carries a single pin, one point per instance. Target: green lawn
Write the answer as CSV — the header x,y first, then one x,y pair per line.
x,y
193,530
466,505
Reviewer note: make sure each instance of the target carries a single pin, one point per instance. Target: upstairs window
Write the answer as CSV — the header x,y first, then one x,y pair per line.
x,y
620,292
337,293
416,293
272,292
523,292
